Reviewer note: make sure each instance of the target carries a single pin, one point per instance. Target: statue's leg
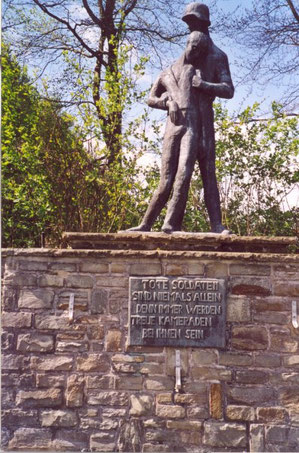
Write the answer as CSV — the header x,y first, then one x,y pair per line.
x,y
208,174
169,164
177,204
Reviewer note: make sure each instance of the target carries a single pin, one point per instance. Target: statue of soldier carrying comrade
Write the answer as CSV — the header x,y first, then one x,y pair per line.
x,y
187,91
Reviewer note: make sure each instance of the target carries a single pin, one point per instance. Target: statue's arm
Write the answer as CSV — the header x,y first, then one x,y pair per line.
x,y
158,96
223,88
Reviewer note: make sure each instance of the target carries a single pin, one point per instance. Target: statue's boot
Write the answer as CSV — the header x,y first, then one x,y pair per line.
x,y
220,229
141,227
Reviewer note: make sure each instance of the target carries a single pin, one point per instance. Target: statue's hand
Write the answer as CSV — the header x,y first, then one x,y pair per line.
x,y
197,81
174,111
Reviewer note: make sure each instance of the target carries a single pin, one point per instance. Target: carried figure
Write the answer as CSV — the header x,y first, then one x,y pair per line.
x,y
187,91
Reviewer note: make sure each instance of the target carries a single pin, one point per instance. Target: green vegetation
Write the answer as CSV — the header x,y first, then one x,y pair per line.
x,y
51,183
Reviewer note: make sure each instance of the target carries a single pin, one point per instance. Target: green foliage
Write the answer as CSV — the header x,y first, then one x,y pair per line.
x,y
57,175
257,167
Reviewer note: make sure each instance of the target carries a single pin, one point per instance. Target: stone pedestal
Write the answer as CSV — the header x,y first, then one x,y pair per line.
x,y
73,382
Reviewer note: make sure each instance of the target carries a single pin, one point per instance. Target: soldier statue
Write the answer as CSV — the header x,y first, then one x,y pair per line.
x,y
187,91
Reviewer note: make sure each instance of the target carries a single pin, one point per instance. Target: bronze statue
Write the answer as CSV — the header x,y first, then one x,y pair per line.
x,y
187,90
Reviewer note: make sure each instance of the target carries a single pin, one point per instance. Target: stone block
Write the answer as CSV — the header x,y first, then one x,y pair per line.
x,y
35,342
39,398
170,361
74,395
279,342
271,414
276,434
96,332
16,320
250,286
113,282
61,418
151,448
286,288
79,281
215,400
63,266
112,398
126,367
118,267
249,338
190,437
12,362
204,357
174,269
17,380
128,358
101,382
238,309
97,445
190,425
234,359
250,395
113,341
7,341
267,360
16,417
170,411
164,398
50,280
201,413
252,377
225,435
71,346
36,298
80,300
130,383
9,298
257,438
93,362
52,322
99,300
291,361
70,440
270,304
195,268
50,380
113,413
272,317
159,383
20,279
152,368
94,267
30,265
54,363
140,405
150,268
289,398
31,439
191,398
211,373
249,269
216,270
157,435
240,413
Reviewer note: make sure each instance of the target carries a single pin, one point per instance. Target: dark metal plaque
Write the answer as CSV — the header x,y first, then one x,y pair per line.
x,y
177,311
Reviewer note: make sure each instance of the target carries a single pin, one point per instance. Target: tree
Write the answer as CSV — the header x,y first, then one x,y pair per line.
x,y
256,170
51,183
92,31
265,35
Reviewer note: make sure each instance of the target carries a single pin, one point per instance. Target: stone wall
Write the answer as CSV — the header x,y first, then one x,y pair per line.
x,y
75,385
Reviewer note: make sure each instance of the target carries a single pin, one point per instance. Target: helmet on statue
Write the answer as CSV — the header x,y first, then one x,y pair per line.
x,y
198,10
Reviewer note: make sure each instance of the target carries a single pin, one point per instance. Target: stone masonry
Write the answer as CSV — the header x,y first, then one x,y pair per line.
x,y
74,385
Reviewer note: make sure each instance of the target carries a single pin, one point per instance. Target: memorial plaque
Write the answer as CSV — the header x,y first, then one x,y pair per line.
x,y
177,311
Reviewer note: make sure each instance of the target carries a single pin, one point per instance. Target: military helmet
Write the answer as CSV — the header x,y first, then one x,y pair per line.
x,y
199,10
